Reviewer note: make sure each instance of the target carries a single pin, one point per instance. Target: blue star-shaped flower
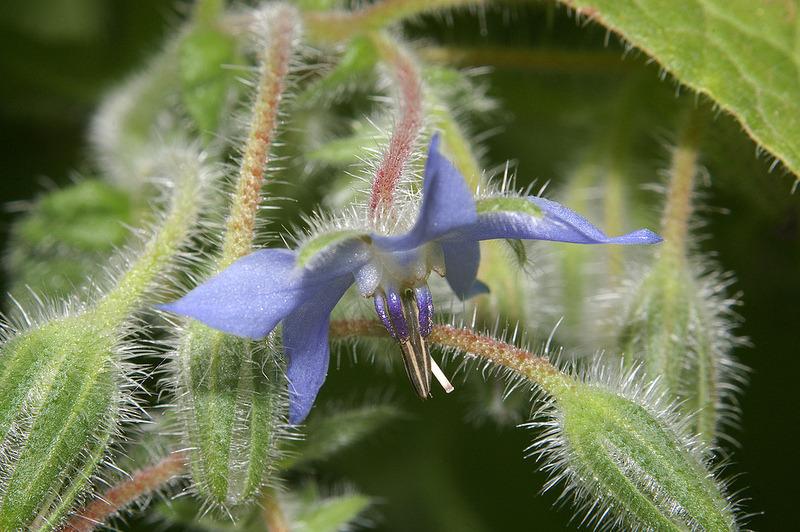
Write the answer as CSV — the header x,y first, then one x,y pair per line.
x,y
301,288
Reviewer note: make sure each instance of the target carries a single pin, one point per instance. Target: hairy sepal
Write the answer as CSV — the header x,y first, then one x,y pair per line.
x,y
623,454
232,398
679,326
59,407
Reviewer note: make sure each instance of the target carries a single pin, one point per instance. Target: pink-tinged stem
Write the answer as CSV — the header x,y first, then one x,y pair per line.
x,y
247,196
535,368
409,122
144,481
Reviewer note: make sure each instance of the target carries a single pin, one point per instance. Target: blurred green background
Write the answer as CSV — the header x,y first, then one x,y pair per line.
x,y
433,469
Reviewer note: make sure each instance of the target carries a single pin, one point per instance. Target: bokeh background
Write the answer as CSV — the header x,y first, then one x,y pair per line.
x,y
434,469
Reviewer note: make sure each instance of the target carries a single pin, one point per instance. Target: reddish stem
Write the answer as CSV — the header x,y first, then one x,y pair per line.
x,y
538,369
244,208
404,136
143,482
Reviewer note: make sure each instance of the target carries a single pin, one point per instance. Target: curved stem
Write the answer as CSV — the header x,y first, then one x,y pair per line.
x,y
247,196
340,25
527,59
187,164
407,128
142,482
536,369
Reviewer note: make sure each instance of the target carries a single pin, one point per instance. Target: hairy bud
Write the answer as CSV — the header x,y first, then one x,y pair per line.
x,y
232,397
59,398
623,456
679,326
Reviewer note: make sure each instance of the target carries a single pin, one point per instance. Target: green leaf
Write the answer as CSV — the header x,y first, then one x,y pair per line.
x,y
330,432
329,514
742,54
205,80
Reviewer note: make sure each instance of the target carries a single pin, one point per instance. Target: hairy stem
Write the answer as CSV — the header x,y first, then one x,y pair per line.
x,y
117,304
272,82
535,368
142,482
340,25
407,128
678,208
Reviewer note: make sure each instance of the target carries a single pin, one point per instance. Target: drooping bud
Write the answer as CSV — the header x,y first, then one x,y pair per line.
x,y
624,458
679,326
59,406
678,320
232,395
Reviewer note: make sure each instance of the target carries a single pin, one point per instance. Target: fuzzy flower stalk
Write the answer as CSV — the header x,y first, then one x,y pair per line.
x,y
678,321
301,287
229,389
614,441
65,383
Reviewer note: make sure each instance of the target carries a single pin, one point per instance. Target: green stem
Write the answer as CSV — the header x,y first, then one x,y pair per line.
x,y
341,25
117,304
528,59
241,221
678,207
535,368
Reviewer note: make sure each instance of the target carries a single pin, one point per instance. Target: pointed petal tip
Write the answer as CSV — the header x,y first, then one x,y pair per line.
x,y
641,236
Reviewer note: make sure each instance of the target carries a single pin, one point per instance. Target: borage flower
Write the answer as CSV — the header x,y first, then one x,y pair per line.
x,y
301,287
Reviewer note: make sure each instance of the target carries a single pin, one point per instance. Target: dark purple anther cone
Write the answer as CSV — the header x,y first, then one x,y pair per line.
x,y
380,308
425,306
394,303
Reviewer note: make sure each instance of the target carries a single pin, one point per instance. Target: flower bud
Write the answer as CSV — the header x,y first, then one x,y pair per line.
x,y
678,325
59,404
623,457
232,398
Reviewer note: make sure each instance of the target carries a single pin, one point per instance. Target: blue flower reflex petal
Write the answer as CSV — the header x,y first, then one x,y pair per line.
x,y
305,340
252,295
461,261
447,204
557,223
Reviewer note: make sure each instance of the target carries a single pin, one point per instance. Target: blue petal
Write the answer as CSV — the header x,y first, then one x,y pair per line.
x,y
461,261
252,295
305,341
447,204
557,223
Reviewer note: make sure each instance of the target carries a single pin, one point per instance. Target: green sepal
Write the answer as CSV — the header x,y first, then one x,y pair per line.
x,y
508,204
677,328
59,401
232,399
635,465
324,242
205,82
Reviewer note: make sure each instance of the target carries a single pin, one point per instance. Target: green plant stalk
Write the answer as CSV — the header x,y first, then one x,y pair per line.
x,y
622,452
60,381
232,405
341,25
